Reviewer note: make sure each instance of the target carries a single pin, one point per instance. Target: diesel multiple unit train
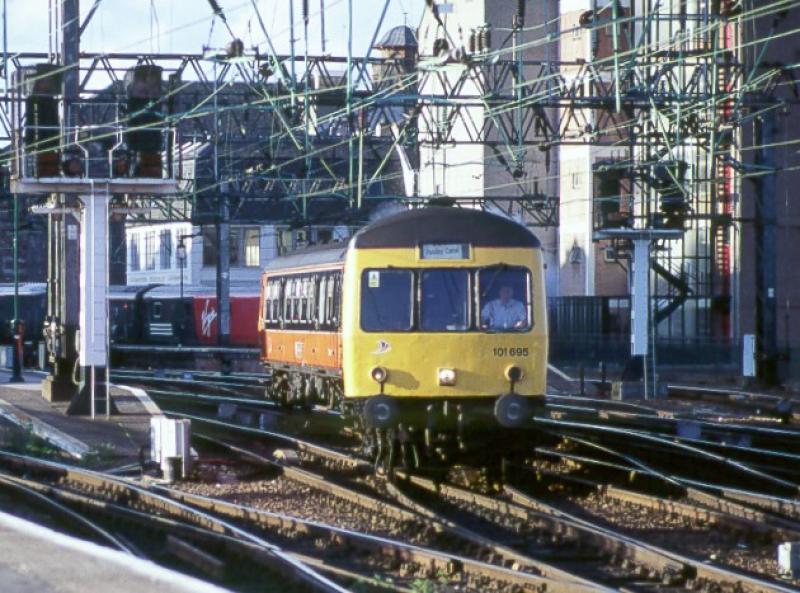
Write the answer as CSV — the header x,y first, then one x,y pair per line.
x,y
427,327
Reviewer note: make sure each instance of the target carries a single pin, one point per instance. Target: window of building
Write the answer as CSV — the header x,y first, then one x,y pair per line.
x,y
235,247
252,247
150,250
245,247
165,249
133,250
209,246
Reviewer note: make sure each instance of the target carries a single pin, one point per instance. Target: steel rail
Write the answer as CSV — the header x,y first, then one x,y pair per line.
x,y
280,560
740,582
698,506
664,561
433,559
25,488
302,445
234,545
321,483
560,523
727,499
417,514
562,426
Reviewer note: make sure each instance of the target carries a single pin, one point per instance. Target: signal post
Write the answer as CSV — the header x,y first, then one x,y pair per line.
x,y
92,210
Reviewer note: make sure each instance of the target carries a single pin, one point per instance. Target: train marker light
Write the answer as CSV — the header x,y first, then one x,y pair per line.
x,y
447,377
514,373
379,375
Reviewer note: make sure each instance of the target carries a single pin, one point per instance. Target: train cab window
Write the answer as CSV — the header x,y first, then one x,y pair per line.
x,y
444,300
387,300
504,299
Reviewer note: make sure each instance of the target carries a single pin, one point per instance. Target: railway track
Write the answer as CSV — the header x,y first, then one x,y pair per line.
x,y
653,566
305,550
411,524
638,565
613,559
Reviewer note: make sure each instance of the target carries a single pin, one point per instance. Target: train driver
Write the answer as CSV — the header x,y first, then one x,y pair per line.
x,y
504,312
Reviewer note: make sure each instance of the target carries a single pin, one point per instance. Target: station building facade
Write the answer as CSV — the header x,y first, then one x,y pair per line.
x,y
153,251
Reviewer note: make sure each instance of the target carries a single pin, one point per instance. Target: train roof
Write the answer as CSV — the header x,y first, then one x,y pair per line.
x,y
316,255
439,224
165,291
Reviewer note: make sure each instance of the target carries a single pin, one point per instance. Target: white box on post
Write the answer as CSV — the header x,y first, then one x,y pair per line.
x,y
789,559
170,440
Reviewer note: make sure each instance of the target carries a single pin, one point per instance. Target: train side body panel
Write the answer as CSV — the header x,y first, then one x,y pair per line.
x,y
244,320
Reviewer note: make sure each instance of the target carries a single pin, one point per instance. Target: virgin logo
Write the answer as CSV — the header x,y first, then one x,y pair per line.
x,y
207,318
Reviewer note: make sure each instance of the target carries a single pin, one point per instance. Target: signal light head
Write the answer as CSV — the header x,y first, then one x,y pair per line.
x,y
72,165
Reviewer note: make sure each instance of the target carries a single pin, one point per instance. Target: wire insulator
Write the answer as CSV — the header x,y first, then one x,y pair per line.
x,y
216,8
485,39
305,11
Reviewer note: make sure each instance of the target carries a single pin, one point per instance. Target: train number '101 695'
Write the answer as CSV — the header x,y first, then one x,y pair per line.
x,y
505,351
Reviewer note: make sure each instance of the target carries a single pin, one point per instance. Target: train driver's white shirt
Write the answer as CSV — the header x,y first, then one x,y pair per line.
x,y
499,315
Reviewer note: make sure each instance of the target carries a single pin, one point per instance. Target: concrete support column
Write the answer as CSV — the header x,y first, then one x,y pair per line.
x,y
640,291
93,342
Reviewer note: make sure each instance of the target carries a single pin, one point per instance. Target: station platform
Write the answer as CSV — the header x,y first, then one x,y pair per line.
x,y
111,441
34,559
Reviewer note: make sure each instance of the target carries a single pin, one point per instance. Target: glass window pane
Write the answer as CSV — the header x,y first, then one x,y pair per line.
x,y
386,300
252,247
504,298
150,250
166,249
444,300
209,247
235,246
321,302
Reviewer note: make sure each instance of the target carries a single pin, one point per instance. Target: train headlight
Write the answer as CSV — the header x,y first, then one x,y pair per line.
x,y
447,376
379,374
514,373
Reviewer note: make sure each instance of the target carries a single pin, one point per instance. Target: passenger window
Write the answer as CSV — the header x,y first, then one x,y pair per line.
x,y
331,313
308,299
321,300
386,300
504,299
288,301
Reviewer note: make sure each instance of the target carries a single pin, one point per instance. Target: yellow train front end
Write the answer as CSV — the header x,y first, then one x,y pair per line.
x,y
444,327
